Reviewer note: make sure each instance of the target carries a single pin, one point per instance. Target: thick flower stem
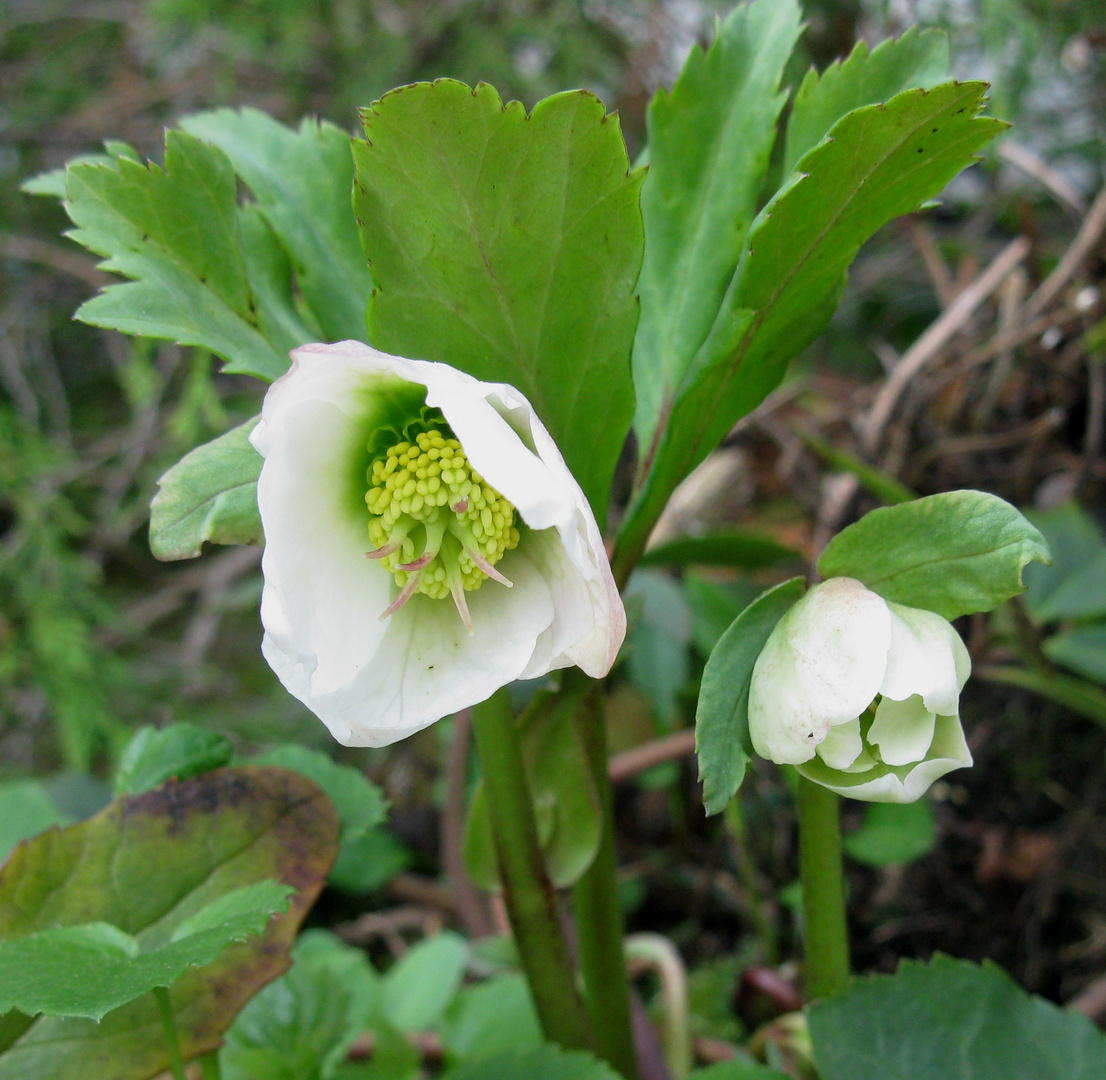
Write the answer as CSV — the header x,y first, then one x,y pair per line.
x,y
825,934
527,891
169,1026
599,927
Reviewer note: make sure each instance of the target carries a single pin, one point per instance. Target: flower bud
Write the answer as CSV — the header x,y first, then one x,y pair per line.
x,y
860,694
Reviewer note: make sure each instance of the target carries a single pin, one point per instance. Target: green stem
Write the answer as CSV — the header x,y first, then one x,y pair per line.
x,y
527,891
825,935
210,1068
599,927
169,1026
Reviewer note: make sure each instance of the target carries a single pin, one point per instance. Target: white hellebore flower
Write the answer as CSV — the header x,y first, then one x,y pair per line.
x,y
861,694
391,491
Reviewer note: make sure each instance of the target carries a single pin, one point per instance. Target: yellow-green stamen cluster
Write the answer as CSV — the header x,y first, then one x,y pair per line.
x,y
435,521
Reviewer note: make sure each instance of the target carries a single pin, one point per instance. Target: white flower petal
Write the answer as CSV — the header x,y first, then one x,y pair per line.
x,y
316,577
902,730
902,784
547,497
374,681
926,657
822,666
427,666
842,746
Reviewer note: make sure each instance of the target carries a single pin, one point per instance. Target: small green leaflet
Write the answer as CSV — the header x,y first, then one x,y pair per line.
x,y
882,161
709,142
301,1026
722,715
52,183
302,181
864,78
209,496
419,987
508,246
951,1019
891,833
953,553
176,232
176,752
545,1063
491,1017
90,969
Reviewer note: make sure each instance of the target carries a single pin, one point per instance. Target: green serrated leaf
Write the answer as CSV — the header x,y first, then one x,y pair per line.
x,y
52,183
727,547
566,804
722,715
953,553
491,1017
709,141
893,833
209,496
88,970
508,246
26,809
864,78
419,987
175,232
360,805
279,314
145,865
302,181
882,161
233,916
177,752
951,1019
546,1063
301,1026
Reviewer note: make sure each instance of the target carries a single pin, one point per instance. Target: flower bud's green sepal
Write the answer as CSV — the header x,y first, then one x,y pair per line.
x,y
722,715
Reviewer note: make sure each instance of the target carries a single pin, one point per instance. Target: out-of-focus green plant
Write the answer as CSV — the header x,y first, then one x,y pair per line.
x,y
50,607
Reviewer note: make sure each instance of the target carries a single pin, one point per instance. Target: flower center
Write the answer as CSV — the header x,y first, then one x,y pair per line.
x,y
437,526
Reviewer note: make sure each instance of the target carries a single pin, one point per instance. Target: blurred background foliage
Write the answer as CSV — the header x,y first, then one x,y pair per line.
x,y
97,638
